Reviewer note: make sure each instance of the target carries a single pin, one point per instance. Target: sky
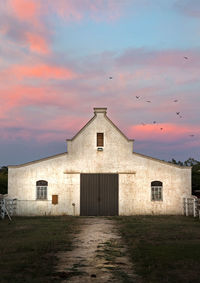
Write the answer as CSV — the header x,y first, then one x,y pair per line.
x,y
56,60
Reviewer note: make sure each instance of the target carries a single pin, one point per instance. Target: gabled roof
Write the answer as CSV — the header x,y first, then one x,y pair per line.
x,y
100,110
81,130
119,130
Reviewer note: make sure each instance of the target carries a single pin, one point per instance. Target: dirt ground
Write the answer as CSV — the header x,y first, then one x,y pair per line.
x,y
98,255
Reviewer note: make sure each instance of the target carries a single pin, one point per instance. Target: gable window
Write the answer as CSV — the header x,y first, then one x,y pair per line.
x,y
41,189
100,139
156,191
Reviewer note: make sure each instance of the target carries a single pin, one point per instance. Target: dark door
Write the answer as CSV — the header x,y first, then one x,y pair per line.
x,y
99,194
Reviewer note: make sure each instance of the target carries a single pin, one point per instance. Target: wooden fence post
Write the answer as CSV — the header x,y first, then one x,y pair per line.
x,y
194,207
186,207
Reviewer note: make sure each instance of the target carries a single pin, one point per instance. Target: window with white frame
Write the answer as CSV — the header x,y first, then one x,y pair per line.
x,y
41,189
156,191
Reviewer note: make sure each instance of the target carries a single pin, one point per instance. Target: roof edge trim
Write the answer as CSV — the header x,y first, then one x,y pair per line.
x,y
109,120
129,140
36,161
162,161
87,124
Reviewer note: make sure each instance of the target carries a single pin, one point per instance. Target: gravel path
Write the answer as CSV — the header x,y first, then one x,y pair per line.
x,y
98,255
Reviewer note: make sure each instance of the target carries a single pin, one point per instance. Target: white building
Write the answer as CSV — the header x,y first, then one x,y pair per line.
x,y
99,175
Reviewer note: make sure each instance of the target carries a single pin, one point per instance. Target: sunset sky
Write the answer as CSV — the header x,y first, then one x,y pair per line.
x,y
56,58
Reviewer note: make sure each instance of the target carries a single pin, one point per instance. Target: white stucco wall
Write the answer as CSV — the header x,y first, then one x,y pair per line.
x,y
136,172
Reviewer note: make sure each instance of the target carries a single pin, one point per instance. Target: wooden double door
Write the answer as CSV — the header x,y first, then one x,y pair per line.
x,y
99,194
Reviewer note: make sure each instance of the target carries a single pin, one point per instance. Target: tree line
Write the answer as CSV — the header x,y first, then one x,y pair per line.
x,y
3,180
195,172
189,162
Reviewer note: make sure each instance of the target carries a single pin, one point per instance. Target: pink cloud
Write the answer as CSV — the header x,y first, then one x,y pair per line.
x,y
72,124
169,132
27,21
37,43
23,22
41,71
40,125
26,10
23,96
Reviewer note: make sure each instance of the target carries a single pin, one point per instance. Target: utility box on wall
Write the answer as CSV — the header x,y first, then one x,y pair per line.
x,y
54,199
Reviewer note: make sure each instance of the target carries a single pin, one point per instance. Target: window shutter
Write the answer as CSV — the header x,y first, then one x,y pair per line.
x,y
100,139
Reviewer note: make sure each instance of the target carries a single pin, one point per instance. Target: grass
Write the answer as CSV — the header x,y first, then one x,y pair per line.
x,y
28,247
163,248
111,250
112,253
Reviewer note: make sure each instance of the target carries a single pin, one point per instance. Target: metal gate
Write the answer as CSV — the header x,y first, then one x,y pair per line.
x,y
99,195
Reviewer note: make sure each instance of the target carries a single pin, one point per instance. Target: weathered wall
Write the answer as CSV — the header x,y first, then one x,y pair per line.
x,y
135,190
136,172
22,185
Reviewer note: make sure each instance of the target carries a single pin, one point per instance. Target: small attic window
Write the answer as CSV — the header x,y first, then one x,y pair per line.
x,y
100,141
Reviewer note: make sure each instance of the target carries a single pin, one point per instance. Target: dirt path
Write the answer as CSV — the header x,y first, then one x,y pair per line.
x,y
98,255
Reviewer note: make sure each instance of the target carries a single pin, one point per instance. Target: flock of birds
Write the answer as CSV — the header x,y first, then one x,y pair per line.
x,y
138,97
154,122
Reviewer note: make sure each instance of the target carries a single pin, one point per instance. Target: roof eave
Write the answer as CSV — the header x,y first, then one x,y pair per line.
x,y
162,161
36,161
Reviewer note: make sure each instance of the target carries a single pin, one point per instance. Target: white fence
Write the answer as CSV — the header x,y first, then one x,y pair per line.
x,y
7,207
191,206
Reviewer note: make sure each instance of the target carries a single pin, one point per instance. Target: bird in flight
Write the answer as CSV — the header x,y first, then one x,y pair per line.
x,y
154,122
178,114
110,78
175,100
137,97
185,57
148,101
191,135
